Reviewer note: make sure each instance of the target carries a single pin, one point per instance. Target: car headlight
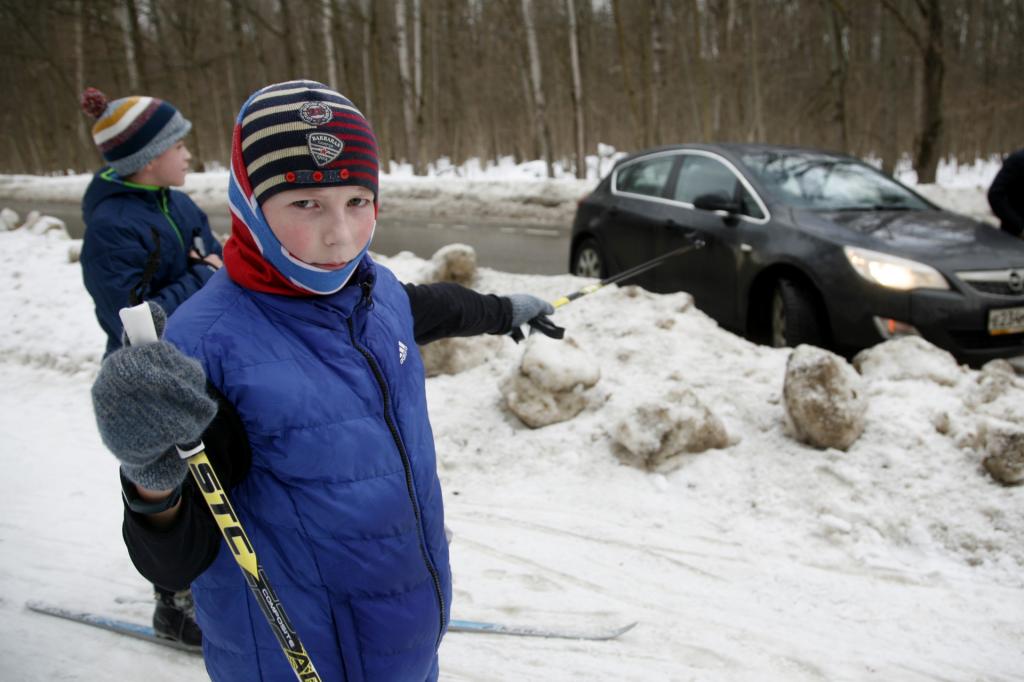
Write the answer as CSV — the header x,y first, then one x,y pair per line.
x,y
893,272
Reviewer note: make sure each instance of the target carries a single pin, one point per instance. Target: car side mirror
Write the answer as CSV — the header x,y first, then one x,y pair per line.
x,y
716,201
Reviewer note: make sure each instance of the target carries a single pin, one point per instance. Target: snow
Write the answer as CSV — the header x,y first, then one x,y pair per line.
x,y
765,559
509,190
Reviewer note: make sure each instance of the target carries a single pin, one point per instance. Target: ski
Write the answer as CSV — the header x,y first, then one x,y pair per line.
x,y
121,627
146,633
481,627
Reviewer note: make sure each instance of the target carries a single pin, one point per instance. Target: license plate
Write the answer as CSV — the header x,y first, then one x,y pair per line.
x,y
1006,321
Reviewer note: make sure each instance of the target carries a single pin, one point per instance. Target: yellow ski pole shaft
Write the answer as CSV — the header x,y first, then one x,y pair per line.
x,y
138,325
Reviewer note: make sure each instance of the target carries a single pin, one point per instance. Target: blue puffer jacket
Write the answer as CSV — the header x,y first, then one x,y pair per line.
x,y
120,221
342,502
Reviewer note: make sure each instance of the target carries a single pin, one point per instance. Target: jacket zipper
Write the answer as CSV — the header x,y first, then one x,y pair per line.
x,y
405,464
162,202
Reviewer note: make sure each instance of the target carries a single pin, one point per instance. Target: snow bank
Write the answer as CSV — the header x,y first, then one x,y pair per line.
x,y
509,191
761,559
542,200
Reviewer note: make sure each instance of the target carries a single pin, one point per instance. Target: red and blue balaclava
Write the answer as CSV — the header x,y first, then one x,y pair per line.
x,y
288,135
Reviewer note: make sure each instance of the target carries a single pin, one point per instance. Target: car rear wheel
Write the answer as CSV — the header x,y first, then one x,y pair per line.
x,y
795,318
588,262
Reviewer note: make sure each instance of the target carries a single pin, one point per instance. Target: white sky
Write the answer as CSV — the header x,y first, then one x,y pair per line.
x,y
766,560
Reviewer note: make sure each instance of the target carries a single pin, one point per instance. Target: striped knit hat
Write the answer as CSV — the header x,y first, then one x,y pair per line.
x,y
132,131
290,135
303,133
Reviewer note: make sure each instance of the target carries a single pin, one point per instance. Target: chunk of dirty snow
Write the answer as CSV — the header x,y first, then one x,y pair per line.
x,y
655,432
558,365
458,354
1004,447
824,398
8,219
454,263
909,357
552,381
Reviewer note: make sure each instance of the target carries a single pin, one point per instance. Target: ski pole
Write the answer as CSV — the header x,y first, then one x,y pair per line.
x,y
545,326
695,243
138,325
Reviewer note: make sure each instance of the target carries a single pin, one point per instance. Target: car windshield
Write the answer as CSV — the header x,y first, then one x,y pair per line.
x,y
830,183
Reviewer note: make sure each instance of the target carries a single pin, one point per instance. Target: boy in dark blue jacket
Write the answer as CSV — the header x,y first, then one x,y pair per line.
x,y
299,368
144,241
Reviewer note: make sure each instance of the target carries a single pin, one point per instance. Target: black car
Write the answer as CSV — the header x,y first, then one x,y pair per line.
x,y
805,246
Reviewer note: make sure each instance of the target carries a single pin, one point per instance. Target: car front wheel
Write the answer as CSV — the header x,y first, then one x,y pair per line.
x,y
795,318
588,262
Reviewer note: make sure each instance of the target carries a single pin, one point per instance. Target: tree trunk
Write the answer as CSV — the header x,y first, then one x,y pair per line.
x,y
449,118
331,53
85,142
694,71
839,72
385,148
757,132
406,80
286,39
926,155
657,84
539,107
129,35
933,68
627,78
890,150
577,91
419,103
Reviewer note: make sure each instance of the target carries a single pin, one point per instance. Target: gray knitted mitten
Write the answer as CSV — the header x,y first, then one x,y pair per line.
x,y
147,399
526,307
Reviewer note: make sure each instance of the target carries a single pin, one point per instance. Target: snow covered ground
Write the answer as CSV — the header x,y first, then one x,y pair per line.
x,y
899,559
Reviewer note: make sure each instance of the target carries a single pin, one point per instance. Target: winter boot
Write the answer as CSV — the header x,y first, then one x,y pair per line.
x,y
174,617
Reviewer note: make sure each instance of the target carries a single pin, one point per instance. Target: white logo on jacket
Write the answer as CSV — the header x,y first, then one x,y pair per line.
x,y
403,353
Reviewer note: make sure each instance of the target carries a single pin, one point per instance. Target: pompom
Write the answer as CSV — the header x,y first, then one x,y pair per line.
x,y
94,102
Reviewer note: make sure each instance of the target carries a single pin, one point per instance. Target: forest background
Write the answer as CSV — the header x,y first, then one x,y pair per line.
x,y
534,79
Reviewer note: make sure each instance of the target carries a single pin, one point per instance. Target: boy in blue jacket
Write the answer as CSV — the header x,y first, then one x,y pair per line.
x,y
298,366
144,241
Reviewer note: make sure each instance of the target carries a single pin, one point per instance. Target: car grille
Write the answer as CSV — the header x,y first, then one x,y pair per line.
x,y
998,282
980,340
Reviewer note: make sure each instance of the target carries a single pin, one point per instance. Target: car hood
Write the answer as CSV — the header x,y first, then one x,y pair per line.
x,y
939,238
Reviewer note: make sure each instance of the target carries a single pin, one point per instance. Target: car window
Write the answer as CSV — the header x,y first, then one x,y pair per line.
x,y
748,206
645,177
702,175
820,181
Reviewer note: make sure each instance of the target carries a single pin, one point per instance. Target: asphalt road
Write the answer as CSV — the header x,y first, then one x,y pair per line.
x,y
535,249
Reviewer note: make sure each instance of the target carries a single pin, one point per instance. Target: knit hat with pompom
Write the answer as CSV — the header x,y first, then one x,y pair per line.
x,y
132,131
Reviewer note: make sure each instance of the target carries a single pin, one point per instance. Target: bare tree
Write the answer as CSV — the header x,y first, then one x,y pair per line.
x,y
577,90
757,129
539,107
875,78
929,41
624,61
412,83
839,72
331,54
129,42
